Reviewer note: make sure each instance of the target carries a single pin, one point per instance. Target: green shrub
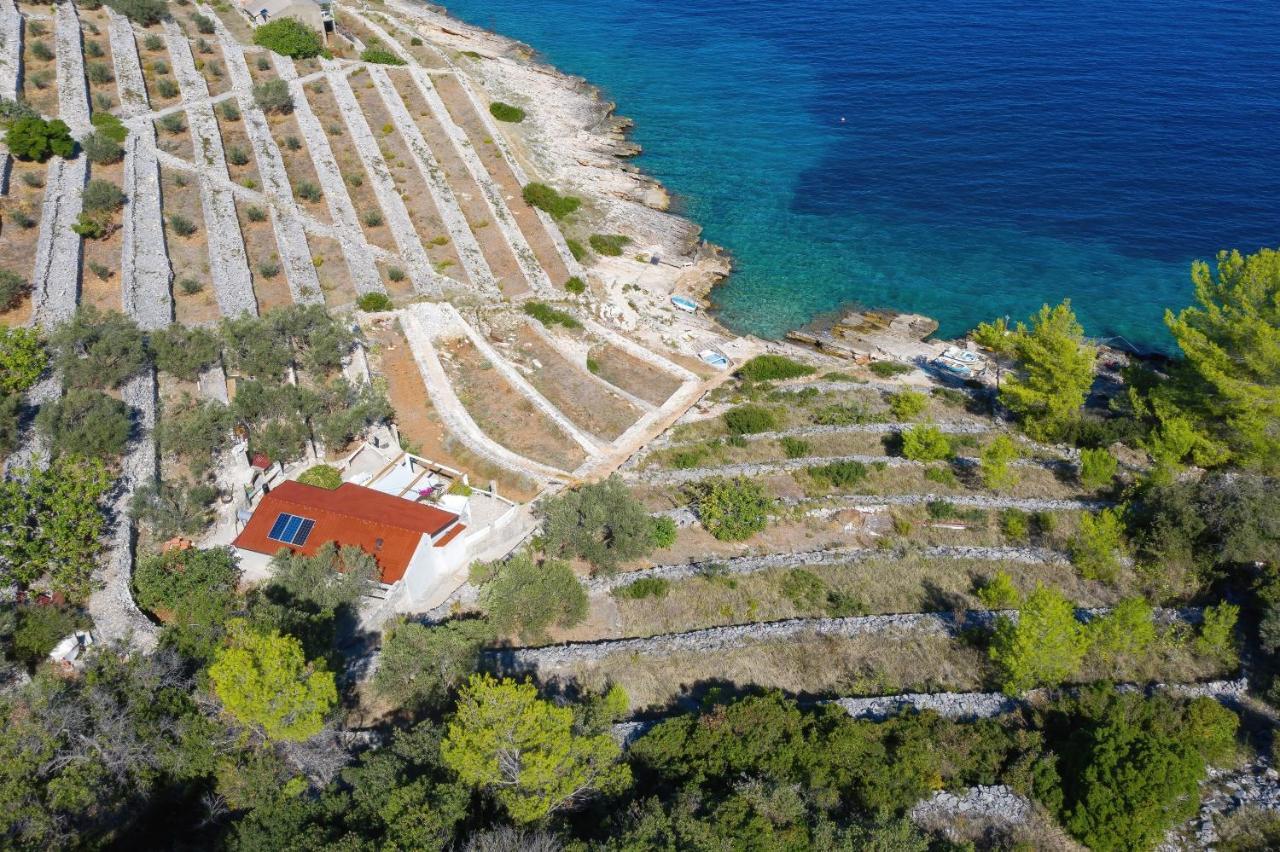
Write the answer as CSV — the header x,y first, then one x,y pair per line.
x,y
794,448
550,316
39,629
1217,633
999,592
764,368
31,138
237,156
372,218
547,199
184,352
576,286
380,56
942,476
609,245
101,150
1099,545
994,465
255,214
602,523
190,286
842,414
13,288
523,598
645,587
688,457
906,404
925,443
293,143
181,225
1097,468
99,72
321,476
308,191
840,474
288,37
395,273
273,96
153,42
166,88
663,533
41,51
230,111
22,359
204,25
577,249
889,369
263,63
732,509
143,12
268,269
1015,524
173,123
373,302
749,419
1044,647
506,112
86,423
1126,631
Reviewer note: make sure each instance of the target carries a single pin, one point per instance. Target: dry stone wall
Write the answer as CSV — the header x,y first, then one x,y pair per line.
x,y
228,262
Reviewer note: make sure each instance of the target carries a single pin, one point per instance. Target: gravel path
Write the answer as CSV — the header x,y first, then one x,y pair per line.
x,y
422,324
424,277
528,261
145,274
464,241
228,262
356,251
286,222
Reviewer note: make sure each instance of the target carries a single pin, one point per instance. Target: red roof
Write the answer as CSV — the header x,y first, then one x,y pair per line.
x,y
387,527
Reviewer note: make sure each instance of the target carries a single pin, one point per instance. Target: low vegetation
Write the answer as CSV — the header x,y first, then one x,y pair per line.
x,y
506,112
289,37
545,198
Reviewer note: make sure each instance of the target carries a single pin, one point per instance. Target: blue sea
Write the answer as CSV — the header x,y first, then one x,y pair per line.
x,y
958,158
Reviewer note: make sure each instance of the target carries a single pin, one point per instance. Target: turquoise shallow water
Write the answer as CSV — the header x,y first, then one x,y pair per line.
x,y
961,159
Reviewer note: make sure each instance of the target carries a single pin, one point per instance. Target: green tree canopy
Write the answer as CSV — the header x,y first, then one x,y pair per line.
x,y
86,423
263,679
98,349
33,138
1044,646
601,523
524,598
421,665
194,590
1054,369
184,352
925,442
22,359
732,509
523,750
1231,345
51,522
994,465
289,37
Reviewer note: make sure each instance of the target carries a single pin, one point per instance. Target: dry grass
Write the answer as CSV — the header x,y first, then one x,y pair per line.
x,y
180,194
634,376
270,291
888,584
497,253
332,271
571,389
297,163
503,413
863,665
464,115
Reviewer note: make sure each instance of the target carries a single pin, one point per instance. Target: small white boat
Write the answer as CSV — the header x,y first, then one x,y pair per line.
x,y
684,303
714,358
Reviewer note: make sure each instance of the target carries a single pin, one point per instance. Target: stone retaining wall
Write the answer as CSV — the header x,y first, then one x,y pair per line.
x,y
350,236
228,262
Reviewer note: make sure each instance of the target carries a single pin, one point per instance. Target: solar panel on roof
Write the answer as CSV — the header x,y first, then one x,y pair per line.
x,y
291,529
300,538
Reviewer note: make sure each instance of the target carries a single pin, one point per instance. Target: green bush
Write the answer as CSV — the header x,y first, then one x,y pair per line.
x,y
99,72
794,448
181,225
184,352
1126,631
373,302
663,533
143,12
230,111
645,587
31,138
153,42
1099,545
906,404
1097,468
576,286
840,474
289,37
98,349
889,369
1015,524
749,419
609,245
395,273
1044,647
764,368
523,598
166,88
942,475
41,51
550,316
173,123
372,218
994,464
102,196
273,96
40,628
806,590
380,56
925,443
1217,633
22,359
999,592
255,214
321,476
577,249
601,522
732,509
205,26
101,150
547,199
13,288
86,423
506,112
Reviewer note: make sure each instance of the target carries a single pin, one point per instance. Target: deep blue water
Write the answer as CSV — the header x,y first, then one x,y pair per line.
x,y
959,158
